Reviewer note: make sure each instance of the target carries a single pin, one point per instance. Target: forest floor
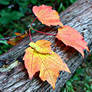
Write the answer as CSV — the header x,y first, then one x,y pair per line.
x,y
81,81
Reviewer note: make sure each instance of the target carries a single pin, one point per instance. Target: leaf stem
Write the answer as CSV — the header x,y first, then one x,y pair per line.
x,y
37,31
30,35
33,21
43,32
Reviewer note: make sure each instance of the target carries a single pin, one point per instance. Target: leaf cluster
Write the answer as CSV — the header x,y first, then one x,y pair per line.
x,y
40,57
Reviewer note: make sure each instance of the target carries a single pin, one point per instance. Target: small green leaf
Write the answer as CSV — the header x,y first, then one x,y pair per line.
x,y
4,2
3,42
33,1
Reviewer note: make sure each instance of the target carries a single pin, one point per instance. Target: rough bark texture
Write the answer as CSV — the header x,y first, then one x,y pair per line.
x,y
79,16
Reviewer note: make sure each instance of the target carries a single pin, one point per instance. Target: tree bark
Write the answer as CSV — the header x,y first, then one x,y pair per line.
x,y
78,16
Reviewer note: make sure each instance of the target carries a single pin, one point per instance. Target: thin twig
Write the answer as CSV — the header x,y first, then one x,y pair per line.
x,y
30,35
42,32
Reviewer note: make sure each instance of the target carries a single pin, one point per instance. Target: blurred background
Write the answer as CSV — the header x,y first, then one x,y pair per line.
x,y
15,18
17,15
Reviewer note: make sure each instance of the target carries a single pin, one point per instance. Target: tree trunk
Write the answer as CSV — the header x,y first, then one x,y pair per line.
x,y
78,16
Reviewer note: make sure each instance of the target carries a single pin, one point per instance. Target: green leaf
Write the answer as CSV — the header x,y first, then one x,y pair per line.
x,y
58,1
8,16
33,1
16,15
91,87
4,2
3,42
69,83
72,1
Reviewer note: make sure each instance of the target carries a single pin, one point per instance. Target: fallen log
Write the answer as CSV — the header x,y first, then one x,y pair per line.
x,y
78,16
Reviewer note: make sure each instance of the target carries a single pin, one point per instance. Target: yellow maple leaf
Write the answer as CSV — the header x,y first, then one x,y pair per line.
x,y
40,57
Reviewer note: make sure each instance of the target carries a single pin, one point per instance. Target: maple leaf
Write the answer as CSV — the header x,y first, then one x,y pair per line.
x,y
16,40
72,38
40,57
46,15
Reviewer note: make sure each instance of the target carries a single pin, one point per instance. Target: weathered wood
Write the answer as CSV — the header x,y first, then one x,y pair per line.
x,y
79,16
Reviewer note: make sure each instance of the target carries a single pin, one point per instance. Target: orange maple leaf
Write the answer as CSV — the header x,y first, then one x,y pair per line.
x,y
72,38
40,57
46,15
16,40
